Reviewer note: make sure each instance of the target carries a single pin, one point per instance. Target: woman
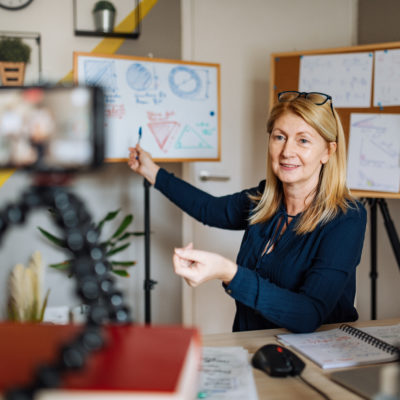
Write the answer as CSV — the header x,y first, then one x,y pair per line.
x,y
304,233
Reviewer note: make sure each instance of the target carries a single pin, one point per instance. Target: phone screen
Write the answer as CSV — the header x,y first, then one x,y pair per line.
x,y
51,128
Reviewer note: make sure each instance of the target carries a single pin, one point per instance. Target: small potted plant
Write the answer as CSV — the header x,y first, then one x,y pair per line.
x,y
104,16
14,55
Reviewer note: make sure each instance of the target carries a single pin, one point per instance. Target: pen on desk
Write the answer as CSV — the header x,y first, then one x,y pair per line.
x,y
140,137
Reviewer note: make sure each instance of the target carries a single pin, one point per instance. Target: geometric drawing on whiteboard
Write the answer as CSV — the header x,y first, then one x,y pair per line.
x,y
101,73
189,84
138,77
374,150
142,80
191,139
162,129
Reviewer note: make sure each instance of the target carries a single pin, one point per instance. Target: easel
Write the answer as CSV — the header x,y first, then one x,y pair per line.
x,y
148,282
394,241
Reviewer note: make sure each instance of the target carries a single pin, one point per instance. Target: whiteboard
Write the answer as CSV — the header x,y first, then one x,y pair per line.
x,y
175,104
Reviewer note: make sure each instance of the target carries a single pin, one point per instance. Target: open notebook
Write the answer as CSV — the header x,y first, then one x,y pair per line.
x,y
347,346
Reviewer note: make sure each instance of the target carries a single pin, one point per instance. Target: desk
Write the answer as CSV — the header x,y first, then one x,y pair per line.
x,y
289,388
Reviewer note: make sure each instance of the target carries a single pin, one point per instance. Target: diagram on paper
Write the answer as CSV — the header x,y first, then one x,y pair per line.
x,y
374,150
346,77
387,78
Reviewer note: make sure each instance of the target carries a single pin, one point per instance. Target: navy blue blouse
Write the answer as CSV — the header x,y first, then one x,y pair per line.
x,y
305,281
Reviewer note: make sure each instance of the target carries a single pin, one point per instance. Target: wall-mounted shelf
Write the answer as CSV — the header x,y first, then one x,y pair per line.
x,y
89,31
134,35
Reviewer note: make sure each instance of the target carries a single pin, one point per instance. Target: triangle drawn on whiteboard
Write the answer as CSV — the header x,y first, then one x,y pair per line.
x,y
163,132
190,139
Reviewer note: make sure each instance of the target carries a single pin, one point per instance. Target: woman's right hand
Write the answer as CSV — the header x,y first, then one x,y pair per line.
x,y
141,162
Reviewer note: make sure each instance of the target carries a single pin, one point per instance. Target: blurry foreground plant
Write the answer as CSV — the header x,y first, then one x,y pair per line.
x,y
25,303
113,245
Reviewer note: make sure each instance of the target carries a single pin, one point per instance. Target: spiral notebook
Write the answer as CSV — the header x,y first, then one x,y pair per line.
x,y
347,346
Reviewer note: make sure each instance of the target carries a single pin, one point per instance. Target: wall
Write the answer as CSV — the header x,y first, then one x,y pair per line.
x,y
115,186
378,23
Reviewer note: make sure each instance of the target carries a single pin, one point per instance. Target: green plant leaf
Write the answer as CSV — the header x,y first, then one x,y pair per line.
x,y
126,235
63,266
44,305
124,263
54,239
109,217
124,224
121,272
14,50
117,249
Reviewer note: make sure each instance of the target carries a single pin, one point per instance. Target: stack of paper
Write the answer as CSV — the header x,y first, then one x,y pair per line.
x,y
226,374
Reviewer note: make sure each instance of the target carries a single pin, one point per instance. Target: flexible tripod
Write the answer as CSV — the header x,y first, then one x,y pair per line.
x,y
394,241
89,266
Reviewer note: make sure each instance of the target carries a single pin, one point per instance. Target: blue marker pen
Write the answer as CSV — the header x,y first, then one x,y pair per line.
x,y
140,137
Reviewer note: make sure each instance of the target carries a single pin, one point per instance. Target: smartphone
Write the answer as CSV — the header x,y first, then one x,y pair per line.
x,y
51,128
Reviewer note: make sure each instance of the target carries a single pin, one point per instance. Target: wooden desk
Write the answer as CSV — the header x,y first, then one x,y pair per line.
x,y
291,387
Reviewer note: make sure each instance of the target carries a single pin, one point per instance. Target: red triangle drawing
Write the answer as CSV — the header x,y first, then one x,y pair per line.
x,y
162,131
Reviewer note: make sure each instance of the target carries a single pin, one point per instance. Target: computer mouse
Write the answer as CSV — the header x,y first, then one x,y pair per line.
x,y
276,360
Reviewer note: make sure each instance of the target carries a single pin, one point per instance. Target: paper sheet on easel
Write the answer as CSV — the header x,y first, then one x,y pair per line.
x,y
387,78
374,149
346,77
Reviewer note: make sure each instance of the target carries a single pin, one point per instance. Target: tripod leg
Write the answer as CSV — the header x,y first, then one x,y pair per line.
x,y
147,287
390,229
373,272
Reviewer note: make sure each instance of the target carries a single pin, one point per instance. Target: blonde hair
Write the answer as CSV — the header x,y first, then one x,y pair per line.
x,y
331,193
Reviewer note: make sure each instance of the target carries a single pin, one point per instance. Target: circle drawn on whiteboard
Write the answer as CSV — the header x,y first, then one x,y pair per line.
x,y
184,82
138,77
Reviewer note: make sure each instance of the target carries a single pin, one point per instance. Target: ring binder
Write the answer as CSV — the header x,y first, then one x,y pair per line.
x,y
372,340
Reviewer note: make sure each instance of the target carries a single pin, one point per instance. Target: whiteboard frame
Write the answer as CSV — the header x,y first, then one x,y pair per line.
x,y
77,55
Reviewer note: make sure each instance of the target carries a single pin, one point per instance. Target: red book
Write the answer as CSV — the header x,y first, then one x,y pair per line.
x,y
150,362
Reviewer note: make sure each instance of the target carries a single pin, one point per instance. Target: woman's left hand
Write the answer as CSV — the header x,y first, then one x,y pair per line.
x,y
197,266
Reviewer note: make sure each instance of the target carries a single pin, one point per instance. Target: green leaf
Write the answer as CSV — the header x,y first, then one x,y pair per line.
x,y
124,263
124,224
121,272
63,266
126,235
110,216
54,239
44,305
118,249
